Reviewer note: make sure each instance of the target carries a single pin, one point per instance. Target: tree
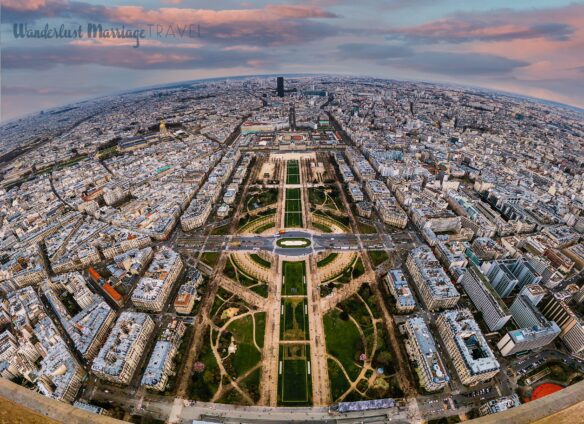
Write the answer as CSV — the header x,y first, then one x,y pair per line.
x,y
208,377
383,358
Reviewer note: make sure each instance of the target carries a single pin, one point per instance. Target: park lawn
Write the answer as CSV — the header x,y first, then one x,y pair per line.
x,y
340,220
352,271
260,261
262,198
365,228
220,231
322,227
210,258
292,194
260,328
232,397
294,383
292,172
204,385
293,205
265,227
219,301
246,356
293,279
293,209
343,341
378,256
338,381
261,289
294,324
293,220
292,389
358,269
251,384
316,196
293,179
327,260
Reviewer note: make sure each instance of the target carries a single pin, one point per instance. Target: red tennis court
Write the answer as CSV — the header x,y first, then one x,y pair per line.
x,y
544,390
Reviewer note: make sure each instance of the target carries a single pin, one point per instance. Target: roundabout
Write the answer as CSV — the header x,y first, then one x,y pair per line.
x,y
293,243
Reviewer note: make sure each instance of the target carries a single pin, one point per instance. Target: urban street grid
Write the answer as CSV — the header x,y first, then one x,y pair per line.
x,y
350,248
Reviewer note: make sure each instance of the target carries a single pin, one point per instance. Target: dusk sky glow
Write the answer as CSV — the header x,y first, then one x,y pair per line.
x,y
532,48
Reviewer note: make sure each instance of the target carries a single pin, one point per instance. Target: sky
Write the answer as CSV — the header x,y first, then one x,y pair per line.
x,y
533,48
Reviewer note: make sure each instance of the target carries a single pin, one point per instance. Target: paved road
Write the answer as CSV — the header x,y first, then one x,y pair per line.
x,y
319,243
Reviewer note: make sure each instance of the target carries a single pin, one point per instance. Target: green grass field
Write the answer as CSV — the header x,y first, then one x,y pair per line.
x,y
343,341
262,198
366,229
294,383
327,260
338,381
294,321
322,227
260,261
293,209
378,256
293,172
210,258
260,328
247,355
293,280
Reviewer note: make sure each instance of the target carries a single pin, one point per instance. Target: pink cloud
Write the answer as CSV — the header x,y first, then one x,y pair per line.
x,y
556,24
28,5
140,15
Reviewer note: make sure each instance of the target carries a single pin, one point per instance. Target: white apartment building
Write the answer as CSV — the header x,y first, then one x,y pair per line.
x,y
153,289
119,356
422,350
468,349
432,282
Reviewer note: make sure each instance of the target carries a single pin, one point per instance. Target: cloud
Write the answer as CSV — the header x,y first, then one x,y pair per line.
x,y
54,91
271,25
30,10
443,63
459,64
375,52
500,25
143,58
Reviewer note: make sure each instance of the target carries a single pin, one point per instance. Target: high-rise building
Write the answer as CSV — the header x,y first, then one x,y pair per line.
x,y
507,274
524,310
292,118
535,329
528,338
572,327
485,298
280,88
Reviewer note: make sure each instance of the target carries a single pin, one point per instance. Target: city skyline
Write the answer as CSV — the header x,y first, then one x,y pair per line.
x,y
291,211
529,48
339,246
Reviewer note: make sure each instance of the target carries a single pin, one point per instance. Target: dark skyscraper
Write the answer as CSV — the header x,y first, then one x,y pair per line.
x,y
292,118
280,88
